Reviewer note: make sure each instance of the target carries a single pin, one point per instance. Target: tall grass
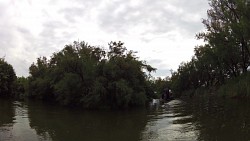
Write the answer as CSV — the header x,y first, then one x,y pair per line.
x,y
236,88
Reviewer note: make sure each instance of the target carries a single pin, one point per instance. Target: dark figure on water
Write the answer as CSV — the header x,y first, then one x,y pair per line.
x,y
166,95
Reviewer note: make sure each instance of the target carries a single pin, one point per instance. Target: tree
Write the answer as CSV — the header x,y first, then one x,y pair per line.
x,y
159,84
7,78
39,82
228,33
91,77
21,87
226,52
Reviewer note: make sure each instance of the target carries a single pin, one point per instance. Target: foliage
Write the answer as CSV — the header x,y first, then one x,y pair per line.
x,y
21,87
7,79
159,84
91,77
226,52
236,88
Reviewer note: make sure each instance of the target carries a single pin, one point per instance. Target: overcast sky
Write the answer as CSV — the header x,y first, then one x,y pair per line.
x,y
162,31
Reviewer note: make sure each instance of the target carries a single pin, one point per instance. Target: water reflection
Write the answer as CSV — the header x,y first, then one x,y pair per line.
x,y
14,122
21,129
220,119
200,119
59,123
7,112
6,119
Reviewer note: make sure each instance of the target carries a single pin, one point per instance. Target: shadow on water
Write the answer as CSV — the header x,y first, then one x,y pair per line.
x,y
221,119
6,107
6,118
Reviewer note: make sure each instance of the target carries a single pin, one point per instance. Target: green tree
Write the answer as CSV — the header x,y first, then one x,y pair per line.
x,y
226,52
7,79
91,77
159,84
228,33
39,81
21,88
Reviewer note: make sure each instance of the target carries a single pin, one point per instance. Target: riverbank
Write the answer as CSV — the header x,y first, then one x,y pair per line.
x,y
238,87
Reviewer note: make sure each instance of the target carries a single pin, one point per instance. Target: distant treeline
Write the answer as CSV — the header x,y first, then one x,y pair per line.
x,y
225,56
85,76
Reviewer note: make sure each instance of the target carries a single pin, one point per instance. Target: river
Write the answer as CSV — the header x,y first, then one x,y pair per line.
x,y
197,119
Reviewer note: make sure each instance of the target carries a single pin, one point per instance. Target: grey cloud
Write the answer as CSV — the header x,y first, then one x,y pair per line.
x,y
194,6
6,29
120,15
48,41
79,9
154,61
71,13
5,36
20,47
157,16
3,10
158,63
163,70
21,66
23,30
49,29
52,35
9,44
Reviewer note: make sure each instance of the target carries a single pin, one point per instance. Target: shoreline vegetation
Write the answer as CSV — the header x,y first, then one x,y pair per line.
x,y
91,77
81,75
220,66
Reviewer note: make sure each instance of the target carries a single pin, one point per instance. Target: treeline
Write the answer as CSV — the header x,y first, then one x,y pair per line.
x,y
225,56
85,76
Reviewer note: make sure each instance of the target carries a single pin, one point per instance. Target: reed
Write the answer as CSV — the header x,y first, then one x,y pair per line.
x,y
236,88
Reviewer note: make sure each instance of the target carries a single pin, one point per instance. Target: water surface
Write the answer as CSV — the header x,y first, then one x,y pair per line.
x,y
201,119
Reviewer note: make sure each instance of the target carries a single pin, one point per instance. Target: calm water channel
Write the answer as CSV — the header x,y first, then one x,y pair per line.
x,y
200,119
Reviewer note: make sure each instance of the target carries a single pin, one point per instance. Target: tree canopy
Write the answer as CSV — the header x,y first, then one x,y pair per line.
x,y
91,77
7,78
226,52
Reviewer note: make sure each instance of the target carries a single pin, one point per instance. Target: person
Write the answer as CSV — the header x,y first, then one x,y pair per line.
x,y
166,94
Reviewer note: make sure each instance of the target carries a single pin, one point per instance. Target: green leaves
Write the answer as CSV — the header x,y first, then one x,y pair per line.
x,y
226,52
68,90
7,78
228,26
91,77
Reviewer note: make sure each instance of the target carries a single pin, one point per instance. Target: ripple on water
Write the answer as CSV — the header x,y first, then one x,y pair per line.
x,y
170,123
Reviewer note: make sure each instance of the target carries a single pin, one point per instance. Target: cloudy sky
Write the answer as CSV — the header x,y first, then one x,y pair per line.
x,y
162,31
